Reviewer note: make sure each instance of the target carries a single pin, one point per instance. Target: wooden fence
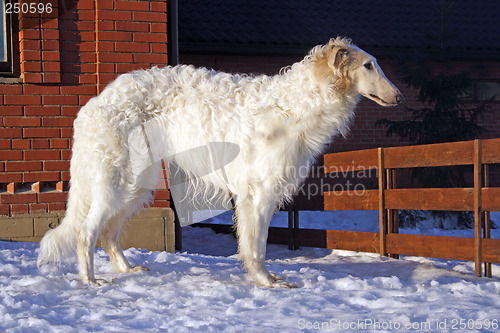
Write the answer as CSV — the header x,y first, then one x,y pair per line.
x,y
388,199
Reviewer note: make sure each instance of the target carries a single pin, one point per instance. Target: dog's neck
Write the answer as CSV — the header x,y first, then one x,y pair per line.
x,y
319,111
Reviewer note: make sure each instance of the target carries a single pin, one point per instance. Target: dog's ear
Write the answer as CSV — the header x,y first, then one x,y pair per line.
x,y
338,60
339,57
331,65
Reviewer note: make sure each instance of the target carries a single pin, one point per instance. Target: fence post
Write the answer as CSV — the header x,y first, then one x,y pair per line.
x,y
291,240
392,214
293,227
296,228
477,206
381,203
486,217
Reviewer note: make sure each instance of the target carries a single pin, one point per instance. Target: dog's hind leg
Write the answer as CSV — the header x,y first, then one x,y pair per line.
x,y
253,216
87,238
110,237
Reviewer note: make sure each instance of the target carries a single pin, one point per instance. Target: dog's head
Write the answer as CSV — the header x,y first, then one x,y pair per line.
x,y
347,68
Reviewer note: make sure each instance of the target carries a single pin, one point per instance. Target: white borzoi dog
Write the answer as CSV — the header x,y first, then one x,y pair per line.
x,y
280,124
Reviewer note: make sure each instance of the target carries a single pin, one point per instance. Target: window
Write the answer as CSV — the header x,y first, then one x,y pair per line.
x,y
488,91
3,46
9,54
483,91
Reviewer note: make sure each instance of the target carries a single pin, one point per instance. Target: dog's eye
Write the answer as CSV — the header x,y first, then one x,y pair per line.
x,y
368,66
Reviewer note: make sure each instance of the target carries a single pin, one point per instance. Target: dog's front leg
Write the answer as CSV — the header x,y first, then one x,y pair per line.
x,y
252,223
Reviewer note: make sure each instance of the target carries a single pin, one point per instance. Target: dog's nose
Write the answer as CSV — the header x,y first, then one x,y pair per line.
x,y
400,98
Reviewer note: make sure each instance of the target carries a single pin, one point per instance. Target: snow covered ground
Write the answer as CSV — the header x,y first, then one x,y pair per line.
x,y
203,289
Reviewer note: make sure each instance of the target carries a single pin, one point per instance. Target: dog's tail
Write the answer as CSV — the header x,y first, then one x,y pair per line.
x,y
61,242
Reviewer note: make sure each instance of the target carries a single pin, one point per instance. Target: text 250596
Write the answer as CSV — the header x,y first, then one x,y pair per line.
x,y
25,8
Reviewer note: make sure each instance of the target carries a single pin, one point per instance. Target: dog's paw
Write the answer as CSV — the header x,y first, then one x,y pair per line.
x,y
283,284
275,281
128,269
139,268
96,282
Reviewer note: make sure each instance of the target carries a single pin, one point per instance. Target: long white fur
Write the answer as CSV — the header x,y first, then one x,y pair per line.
x,y
280,124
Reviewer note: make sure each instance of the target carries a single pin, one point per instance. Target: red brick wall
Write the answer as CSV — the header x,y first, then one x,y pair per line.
x,y
67,57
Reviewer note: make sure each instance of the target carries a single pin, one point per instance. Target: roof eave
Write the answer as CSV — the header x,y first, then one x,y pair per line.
x,y
301,50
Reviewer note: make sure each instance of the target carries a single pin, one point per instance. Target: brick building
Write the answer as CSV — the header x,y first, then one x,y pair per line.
x,y
53,61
